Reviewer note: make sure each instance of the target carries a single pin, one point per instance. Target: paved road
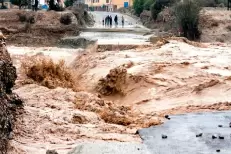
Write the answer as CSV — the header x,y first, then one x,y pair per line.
x,y
118,35
104,147
182,130
129,21
181,133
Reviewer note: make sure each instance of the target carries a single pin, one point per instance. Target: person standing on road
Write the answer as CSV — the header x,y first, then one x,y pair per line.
x,y
110,21
103,22
116,20
123,21
107,19
35,5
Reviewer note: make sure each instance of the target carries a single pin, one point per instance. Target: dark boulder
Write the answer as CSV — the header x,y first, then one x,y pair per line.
x,y
9,102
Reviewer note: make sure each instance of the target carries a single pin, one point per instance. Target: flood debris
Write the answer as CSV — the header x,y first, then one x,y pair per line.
x,y
221,137
167,117
51,152
164,136
199,135
214,137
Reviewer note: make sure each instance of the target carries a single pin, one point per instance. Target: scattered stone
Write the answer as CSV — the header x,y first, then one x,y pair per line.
x,y
137,132
221,137
9,102
164,136
167,117
78,118
51,152
214,137
218,150
220,125
199,135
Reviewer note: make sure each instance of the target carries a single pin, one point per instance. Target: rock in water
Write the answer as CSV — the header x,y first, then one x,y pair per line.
x,y
8,100
2,37
164,136
51,152
199,135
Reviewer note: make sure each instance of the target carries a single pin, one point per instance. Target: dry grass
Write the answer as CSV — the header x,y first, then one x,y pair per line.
x,y
229,27
220,40
66,19
215,24
44,71
111,117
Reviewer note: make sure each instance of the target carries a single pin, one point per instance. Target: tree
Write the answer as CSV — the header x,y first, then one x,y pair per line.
x,y
187,17
156,9
158,5
68,3
148,4
138,6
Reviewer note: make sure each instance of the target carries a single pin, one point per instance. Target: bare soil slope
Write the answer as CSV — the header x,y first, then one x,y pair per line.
x,y
216,25
42,28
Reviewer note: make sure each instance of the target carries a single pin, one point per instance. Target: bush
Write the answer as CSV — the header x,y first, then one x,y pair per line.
x,y
3,7
206,3
158,5
187,17
66,19
15,2
156,9
47,73
29,18
22,17
229,27
68,3
138,6
148,4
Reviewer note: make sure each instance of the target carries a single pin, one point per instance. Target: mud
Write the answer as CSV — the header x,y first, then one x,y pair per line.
x,y
26,28
172,76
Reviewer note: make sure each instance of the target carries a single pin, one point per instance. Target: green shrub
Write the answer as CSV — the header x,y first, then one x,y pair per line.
x,y
15,2
187,17
3,7
158,5
156,9
66,19
148,4
68,3
138,6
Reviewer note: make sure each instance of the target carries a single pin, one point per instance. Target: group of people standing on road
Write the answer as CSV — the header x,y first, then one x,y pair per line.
x,y
108,21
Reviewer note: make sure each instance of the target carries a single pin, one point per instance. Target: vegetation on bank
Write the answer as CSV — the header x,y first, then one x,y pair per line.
x,y
183,16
